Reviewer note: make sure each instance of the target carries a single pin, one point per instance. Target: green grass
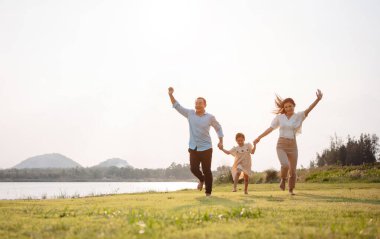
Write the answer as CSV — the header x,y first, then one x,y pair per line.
x,y
317,211
367,173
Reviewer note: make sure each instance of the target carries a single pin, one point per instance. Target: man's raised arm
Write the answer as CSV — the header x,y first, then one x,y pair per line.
x,y
172,99
183,111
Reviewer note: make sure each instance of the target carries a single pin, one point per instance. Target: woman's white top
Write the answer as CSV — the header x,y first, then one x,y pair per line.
x,y
289,127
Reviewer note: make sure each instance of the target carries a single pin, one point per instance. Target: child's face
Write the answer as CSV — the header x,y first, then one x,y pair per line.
x,y
240,141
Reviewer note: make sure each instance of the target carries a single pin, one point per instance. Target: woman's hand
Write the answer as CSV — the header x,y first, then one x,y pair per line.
x,y
319,94
256,141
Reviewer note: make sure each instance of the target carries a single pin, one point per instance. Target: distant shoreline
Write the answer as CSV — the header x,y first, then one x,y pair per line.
x,y
100,181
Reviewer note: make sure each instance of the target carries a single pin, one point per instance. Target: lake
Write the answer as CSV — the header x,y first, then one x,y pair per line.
x,y
43,190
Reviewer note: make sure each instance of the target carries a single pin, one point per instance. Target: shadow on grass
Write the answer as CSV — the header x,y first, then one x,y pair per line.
x,y
340,199
269,198
213,200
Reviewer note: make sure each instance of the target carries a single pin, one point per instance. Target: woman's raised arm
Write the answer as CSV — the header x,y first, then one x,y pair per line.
x,y
319,97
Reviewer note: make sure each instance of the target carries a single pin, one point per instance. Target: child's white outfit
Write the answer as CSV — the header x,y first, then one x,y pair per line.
x,y
243,160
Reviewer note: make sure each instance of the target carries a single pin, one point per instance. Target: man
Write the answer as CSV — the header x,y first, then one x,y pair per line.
x,y
200,146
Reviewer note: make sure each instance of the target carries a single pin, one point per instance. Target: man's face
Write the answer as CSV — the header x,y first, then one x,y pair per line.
x,y
200,105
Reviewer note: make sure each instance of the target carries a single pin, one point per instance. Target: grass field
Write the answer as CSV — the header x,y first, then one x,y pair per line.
x,y
317,211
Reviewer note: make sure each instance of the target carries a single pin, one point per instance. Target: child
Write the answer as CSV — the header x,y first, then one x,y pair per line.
x,y
242,164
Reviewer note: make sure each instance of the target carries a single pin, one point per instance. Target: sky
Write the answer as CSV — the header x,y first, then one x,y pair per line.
x,y
89,79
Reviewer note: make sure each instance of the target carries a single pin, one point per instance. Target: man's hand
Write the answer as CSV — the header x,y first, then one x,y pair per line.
x,y
171,90
220,145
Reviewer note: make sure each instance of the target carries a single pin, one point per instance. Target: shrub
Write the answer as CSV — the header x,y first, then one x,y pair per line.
x,y
271,176
223,175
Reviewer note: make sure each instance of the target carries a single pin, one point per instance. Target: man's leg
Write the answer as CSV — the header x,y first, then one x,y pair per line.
x,y
194,167
206,168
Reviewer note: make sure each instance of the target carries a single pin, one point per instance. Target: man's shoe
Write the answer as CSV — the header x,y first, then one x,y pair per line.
x,y
200,186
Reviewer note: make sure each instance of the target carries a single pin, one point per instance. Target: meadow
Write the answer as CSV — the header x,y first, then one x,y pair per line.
x,y
350,210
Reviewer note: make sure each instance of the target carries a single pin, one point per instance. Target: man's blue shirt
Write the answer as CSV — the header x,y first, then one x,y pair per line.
x,y
199,127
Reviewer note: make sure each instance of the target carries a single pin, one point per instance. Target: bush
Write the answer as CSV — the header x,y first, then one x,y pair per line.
x,y
223,175
271,176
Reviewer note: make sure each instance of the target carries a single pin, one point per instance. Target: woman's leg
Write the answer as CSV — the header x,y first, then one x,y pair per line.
x,y
283,158
293,157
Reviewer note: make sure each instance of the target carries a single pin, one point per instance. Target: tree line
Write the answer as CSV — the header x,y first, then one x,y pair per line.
x,y
174,172
355,151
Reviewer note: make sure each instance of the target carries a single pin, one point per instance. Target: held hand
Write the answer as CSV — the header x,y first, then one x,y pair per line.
x,y
319,94
220,145
171,90
256,141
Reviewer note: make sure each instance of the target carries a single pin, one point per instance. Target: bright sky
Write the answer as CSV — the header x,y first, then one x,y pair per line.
x,y
88,79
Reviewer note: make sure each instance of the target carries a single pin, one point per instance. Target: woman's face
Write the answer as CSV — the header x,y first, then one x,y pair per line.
x,y
289,108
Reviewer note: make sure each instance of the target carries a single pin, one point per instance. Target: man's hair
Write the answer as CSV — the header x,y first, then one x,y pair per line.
x,y
201,98
239,135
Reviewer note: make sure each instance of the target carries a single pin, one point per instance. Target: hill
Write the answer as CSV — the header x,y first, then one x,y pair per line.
x,y
53,160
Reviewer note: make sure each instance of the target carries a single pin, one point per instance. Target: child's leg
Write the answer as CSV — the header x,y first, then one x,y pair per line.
x,y
246,180
236,180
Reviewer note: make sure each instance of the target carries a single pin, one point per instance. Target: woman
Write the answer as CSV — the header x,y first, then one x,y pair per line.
x,y
290,124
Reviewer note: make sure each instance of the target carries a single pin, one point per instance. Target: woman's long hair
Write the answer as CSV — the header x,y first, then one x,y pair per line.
x,y
279,102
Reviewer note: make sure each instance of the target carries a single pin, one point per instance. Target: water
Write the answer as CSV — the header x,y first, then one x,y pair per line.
x,y
42,190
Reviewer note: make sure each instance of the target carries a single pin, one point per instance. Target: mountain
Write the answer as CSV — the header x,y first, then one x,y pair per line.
x,y
48,161
114,162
